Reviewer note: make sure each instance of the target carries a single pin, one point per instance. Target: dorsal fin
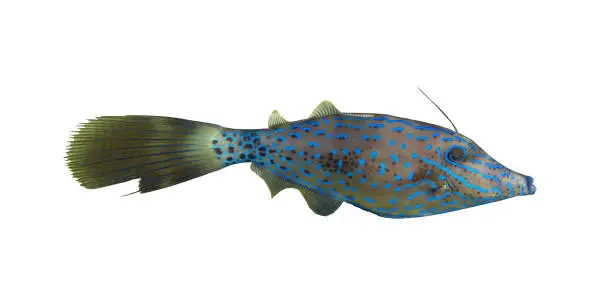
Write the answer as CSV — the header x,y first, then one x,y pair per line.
x,y
325,108
276,120
320,204
274,182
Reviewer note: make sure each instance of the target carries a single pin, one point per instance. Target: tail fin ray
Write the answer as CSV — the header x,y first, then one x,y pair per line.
x,y
160,151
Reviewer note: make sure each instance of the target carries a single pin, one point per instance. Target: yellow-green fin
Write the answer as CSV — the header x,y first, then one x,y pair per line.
x,y
320,204
274,182
325,108
276,120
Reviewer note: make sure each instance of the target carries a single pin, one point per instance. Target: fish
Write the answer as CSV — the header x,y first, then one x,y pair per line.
x,y
389,166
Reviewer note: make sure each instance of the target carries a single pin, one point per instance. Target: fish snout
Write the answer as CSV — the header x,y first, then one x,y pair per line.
x,y
531,188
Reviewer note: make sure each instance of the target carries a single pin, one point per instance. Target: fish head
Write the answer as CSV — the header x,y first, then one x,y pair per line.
x,y
472,174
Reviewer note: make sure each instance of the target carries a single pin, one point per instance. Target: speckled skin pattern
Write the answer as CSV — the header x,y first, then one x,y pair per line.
x,y
390,166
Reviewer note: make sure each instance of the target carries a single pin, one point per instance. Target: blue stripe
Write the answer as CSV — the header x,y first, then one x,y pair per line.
x,y
414,195
395,158
450,172
509,185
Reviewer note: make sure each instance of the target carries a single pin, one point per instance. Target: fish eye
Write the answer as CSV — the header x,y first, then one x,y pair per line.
x,y
456,154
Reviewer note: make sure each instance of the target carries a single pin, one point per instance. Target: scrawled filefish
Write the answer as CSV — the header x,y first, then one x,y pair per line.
x,y
392,167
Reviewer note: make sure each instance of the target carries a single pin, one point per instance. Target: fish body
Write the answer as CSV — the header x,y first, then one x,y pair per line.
x,y
390,166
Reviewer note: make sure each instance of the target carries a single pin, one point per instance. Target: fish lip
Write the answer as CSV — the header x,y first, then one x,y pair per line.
x,y
531,188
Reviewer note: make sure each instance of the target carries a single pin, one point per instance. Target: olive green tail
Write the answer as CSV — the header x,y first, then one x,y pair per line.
x,y
160,151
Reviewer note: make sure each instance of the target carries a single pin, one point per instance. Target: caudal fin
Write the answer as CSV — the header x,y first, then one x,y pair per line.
x,y
160,151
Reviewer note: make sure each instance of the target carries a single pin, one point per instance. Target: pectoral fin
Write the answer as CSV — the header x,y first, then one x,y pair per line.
x,y
320,204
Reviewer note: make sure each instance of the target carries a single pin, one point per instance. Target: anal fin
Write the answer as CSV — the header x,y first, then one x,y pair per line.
x,y
274,182
320,204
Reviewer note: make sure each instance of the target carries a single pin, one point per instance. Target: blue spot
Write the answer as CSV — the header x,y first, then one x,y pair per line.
x,y
447,139
398,129
421,138
382,169
318,167
509,185
339,125
363,180
295,135
476,161
398,177
403,146
317,156
387,186
305,173
442,176
398,189
376,137
357,151
345,151
301,153
290,148
361,162
435,134
306,129
374,185
392,142
333,152
395,158
374,154
313,144
418,206
341,181
414,155
339,163
411,175
414,195
407,164
320,133
350,174
354,127
393,201
376,125
342,136
497,190
439,152
368,199
327,173
409,135
365,137
429,146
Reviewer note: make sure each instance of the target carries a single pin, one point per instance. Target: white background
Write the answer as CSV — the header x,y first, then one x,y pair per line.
x,y
528,80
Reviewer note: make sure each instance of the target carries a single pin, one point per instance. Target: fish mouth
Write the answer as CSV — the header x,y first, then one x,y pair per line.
x,y
531,188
